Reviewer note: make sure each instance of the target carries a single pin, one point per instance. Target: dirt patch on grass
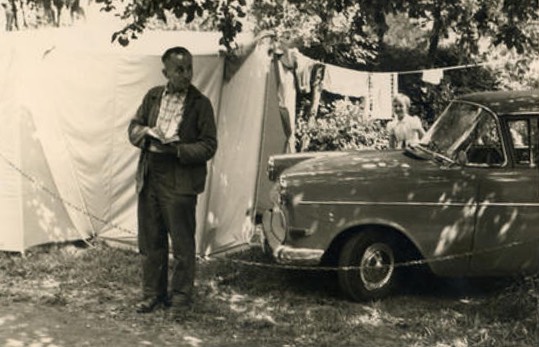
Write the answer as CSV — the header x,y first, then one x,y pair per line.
x,y
25,324
71,296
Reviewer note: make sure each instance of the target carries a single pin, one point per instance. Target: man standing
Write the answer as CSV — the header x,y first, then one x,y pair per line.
x,y
175,129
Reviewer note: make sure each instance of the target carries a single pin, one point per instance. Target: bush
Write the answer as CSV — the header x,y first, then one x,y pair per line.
x,y
341,125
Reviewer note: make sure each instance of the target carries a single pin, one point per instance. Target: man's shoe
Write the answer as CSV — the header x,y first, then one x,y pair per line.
x,y
167,302
148,305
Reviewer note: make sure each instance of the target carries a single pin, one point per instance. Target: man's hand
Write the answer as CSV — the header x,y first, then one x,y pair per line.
x,y
155,133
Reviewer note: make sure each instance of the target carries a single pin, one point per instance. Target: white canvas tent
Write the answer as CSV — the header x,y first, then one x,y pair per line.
x,y
66,166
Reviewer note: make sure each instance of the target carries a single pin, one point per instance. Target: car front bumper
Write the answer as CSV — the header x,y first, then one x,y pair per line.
x,y
275,227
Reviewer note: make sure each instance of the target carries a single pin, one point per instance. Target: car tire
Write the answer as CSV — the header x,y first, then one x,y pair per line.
x,y
367,263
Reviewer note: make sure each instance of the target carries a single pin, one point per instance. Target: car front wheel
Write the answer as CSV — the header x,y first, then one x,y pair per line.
x,y
367,266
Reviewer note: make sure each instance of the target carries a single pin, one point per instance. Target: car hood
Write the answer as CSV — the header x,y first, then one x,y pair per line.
x,y
377,176
358,164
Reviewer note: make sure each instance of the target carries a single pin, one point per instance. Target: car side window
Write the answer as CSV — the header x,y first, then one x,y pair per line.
x,y
524,140
484,147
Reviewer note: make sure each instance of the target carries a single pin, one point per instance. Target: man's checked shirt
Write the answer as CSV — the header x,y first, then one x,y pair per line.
x,y
170,115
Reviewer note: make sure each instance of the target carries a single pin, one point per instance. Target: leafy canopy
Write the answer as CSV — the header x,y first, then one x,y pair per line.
x,y
350,33
225,15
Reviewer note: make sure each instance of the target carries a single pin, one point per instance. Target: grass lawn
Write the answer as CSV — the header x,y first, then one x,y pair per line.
x,y
66,295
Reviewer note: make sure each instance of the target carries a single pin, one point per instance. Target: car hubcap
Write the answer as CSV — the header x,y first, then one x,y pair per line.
x,y
377,266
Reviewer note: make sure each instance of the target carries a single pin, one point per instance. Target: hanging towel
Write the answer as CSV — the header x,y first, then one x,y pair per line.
x,y
433,76
346,82
381,95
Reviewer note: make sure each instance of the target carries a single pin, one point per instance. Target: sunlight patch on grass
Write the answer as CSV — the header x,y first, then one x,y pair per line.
x,y
193,341
373,318
260,319
14,343
49,283
458,342
236,303
6,318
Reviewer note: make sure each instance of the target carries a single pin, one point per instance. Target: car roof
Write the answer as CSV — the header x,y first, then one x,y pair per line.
x,y
506,102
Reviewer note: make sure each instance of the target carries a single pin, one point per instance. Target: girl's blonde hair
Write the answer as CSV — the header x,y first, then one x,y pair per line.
x,y
403,98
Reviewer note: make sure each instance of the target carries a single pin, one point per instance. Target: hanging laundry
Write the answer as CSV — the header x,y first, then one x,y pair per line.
x,y
433,76
382,90
286,93
346,82
304,71
316,88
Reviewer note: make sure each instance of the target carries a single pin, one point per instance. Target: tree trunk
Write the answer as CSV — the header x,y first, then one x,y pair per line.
x,y
381,26
434,39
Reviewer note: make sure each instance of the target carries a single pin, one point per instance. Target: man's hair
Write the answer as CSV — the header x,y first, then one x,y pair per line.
x,y
176,50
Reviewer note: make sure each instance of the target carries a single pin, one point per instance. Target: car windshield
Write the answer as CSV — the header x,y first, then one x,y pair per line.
x,y
452,127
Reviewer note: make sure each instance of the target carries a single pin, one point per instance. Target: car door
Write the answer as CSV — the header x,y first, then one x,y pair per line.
x,y
506,231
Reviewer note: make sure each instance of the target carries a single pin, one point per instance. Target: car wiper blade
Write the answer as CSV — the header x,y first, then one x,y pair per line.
x,y
417,151
443,158
432,152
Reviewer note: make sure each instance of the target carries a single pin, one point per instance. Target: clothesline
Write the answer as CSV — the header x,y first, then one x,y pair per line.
x,y
408,72
376,88
455,67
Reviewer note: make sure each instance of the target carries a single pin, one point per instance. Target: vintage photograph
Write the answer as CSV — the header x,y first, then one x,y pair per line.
x,y
280,173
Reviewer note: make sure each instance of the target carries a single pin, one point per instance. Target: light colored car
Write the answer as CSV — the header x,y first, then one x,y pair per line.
x,y
464,201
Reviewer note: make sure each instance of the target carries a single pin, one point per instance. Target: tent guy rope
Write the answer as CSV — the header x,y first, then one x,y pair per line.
x,y
57,197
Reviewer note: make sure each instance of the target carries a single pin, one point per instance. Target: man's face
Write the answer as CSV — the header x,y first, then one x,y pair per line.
x,y
179,71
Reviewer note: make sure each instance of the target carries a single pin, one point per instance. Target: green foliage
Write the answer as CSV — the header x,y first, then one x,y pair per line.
x,y
348,33
329,31
514,29
341,125
517,73
517,70
224,16
470,23
345,32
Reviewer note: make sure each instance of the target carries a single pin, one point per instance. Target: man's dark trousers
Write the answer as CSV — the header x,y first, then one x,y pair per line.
x,y
162,211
